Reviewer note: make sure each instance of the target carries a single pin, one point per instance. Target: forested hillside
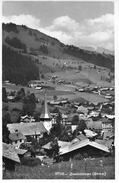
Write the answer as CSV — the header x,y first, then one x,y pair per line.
x,y
102,60
17,68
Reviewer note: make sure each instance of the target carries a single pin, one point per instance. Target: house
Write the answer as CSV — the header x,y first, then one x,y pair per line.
x,y
16,139
95,126
10,98
91,148
35,129
27,119
90,134
64,118
106,123
35,83
82,109
47,147
21,152
10,156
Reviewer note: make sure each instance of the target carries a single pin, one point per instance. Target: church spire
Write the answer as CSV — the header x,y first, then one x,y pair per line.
x,y
45,115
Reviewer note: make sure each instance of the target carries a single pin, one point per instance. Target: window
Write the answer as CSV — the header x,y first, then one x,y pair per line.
x,y
20,140
15,141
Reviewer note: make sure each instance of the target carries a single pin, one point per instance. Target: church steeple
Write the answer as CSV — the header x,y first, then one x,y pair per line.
x,y
45,115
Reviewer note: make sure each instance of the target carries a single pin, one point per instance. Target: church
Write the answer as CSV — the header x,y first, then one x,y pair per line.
x,y
45,115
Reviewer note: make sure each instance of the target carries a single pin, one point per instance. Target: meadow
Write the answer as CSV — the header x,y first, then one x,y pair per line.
x,y
75,169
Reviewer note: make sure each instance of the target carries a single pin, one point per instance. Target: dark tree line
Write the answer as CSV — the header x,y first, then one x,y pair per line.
x,y
16,43
10,27
95,58
17,68
44,49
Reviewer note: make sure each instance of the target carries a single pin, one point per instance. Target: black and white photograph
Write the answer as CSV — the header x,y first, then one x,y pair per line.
x,y
58,90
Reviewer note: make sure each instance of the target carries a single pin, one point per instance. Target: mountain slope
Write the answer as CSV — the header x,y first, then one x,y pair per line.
x,y
103,50
38,43
17,68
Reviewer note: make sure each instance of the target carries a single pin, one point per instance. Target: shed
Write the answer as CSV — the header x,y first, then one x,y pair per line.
x,y
10,156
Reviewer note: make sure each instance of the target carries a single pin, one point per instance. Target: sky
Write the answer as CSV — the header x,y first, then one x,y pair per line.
x,y
86,23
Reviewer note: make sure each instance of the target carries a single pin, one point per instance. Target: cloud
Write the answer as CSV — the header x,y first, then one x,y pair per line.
x,y
105,20
27,20
96,32
64,24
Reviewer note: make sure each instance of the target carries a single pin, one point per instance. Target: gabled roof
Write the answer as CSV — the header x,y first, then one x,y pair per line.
x,y
97,125
9,152
60,143
28,128
82,109
81,144
16,136
90,133
105,120
21,151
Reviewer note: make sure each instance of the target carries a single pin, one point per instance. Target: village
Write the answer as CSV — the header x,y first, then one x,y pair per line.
x,y
73,130
58,90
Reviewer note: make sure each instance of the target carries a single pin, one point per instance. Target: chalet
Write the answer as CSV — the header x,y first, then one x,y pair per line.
x,y
64,118
38,88
16,139
10,156
91,148
35,83
106,133
54,102
90,134
94,125
35,129
106,123
47,147
10,98
27,119
82,109
6,82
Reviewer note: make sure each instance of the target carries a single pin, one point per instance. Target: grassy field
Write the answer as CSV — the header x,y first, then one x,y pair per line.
x,y
76,169
62,91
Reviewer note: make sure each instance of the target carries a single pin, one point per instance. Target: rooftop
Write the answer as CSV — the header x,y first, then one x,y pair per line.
x,y
16,136
35,128
10,152
81,144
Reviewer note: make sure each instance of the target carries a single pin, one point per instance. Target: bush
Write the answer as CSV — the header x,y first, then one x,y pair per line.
x,y
85,155
78,156
28,161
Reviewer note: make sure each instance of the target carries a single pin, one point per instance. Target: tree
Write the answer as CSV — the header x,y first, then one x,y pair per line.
x,y
55,149
42,76
30,32
4,94
29,104
20,94
94,66
75,120
81,125
5,131
15,115
80,68
56,130
55,97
